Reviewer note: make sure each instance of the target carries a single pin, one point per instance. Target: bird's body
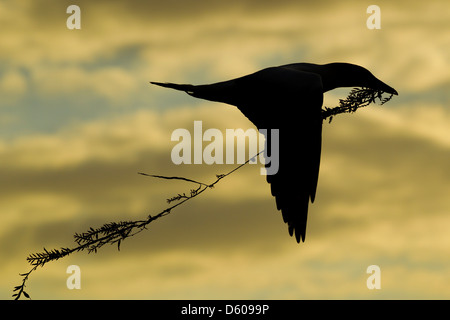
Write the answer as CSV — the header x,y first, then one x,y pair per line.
x,y
288,98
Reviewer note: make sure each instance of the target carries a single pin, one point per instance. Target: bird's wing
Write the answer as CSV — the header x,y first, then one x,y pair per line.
x,y
291,101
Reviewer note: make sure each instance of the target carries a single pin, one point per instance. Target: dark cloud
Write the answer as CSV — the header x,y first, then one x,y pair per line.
x,y
49,12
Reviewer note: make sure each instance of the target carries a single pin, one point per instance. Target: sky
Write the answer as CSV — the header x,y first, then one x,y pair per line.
x,y
79,119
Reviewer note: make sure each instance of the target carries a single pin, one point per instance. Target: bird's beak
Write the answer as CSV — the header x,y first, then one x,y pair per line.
x,y
385,88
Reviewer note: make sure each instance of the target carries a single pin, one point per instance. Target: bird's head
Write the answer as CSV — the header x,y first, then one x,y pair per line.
x,y
337,74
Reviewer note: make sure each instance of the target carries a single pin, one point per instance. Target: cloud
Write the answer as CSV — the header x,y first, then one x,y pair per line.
x,y
12,86
114,84
382,195
383,185
220,40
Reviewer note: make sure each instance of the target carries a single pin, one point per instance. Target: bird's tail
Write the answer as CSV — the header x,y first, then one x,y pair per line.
x,y
220,91
188,88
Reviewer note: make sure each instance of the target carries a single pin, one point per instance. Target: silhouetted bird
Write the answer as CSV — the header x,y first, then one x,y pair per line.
x,y
288,98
